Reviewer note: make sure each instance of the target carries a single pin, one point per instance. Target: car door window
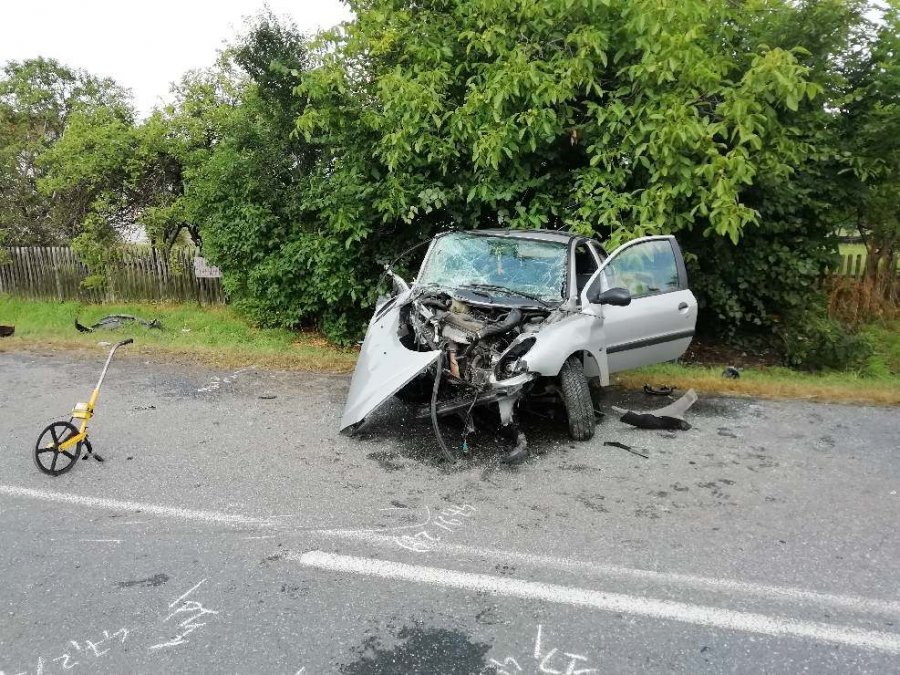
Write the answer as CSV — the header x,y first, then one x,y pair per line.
x,y
647,268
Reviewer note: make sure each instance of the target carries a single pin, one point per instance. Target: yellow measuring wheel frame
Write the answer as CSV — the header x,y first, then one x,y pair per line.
x,y
60,444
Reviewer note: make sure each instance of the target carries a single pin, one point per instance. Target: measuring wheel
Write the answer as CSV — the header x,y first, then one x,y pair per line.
x,y
47,455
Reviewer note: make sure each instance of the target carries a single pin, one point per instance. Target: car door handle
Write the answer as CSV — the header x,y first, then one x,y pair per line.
x,y
682,306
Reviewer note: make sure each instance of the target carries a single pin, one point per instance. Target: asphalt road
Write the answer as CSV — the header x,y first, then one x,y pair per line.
x,y
232,529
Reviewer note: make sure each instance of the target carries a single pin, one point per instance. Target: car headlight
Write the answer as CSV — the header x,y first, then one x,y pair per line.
x,y
511,361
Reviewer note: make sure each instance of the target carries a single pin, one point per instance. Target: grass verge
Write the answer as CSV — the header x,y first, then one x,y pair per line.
x,y
220,337
770,383
215,336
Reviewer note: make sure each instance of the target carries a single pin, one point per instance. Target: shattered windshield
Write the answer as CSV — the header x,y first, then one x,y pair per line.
x,y
525,266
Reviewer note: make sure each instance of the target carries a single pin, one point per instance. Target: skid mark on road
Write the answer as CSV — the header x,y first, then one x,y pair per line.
x,y
699,615
765,591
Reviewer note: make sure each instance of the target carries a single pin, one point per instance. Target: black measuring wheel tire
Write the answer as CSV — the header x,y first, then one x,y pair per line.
x,y
576,396
46,456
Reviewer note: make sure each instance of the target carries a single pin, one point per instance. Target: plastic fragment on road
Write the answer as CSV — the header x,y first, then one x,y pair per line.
x,y
669,417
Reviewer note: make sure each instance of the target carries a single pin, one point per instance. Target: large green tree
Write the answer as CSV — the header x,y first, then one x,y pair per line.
x,y
615,117
38,98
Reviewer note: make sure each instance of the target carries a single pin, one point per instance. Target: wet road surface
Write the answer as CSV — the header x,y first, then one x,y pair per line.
x,y
232,529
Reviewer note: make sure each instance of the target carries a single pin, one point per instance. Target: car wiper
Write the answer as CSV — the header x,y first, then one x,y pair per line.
x,y
507,291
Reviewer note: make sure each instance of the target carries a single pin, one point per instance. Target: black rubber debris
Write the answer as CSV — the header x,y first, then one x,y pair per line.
x,y
616,444
671,417
664,390
6,331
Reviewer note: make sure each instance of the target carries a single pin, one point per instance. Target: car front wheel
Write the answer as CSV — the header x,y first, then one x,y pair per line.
x,y
576,396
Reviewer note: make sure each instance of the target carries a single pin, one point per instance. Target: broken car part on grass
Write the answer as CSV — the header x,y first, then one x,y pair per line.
x,y
114,321
498,315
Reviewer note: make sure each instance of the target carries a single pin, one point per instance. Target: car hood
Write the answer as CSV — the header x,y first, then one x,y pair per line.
x,y
384,365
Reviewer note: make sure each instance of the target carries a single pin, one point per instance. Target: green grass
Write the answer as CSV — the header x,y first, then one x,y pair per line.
x,y
219,336
877,382
212,335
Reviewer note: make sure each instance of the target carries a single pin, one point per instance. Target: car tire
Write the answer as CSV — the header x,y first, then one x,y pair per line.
x,y
576,396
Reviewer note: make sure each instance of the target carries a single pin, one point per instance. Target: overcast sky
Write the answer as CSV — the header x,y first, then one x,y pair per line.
x,y
142,44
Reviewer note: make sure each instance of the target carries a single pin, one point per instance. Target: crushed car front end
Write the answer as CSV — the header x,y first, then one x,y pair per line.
x,y
460,335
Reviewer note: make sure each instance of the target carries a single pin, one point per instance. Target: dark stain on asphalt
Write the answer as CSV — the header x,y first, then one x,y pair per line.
x,y
489,616
728,433
386,460
421,650
577,467
592,502
294,591
155,580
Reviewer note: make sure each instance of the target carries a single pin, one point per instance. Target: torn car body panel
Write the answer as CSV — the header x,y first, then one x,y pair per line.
x,y
384,366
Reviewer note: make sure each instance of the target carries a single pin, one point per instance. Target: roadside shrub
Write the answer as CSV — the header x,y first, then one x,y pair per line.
x,y
814,341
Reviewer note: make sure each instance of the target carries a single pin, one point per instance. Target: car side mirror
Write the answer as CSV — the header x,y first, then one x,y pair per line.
x,y
620,297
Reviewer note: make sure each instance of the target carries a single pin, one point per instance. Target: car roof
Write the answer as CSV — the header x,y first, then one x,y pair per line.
x,y
542,235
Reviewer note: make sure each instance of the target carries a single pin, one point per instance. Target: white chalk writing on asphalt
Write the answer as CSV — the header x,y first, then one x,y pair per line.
x,y
188,611
449,519
548,661
76,654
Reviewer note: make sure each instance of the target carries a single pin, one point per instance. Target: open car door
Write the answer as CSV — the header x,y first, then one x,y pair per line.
x,y
659,323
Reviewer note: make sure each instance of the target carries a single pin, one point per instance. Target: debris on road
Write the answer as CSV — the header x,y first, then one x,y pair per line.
x,y
731,373
670,417
664,390
6,331
114,321
616,444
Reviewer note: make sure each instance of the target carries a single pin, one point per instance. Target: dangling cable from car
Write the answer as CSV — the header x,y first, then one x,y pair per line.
x,y
434,418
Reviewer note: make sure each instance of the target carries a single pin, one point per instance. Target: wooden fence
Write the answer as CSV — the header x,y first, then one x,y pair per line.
x,y
854,265
136,273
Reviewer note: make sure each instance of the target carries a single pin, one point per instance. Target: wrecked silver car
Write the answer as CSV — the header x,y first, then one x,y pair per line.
x,y
498,315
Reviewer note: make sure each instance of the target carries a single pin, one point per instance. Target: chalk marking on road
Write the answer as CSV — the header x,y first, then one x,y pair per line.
x,y
700,615
775,593
122,505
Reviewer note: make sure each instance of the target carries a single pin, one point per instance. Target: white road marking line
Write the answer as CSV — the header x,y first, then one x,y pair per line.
x,y
111,541
768,592
608,602
775,593
121,505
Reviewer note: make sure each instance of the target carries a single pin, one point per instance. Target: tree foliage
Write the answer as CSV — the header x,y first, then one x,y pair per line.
x,y
38,99
755,130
